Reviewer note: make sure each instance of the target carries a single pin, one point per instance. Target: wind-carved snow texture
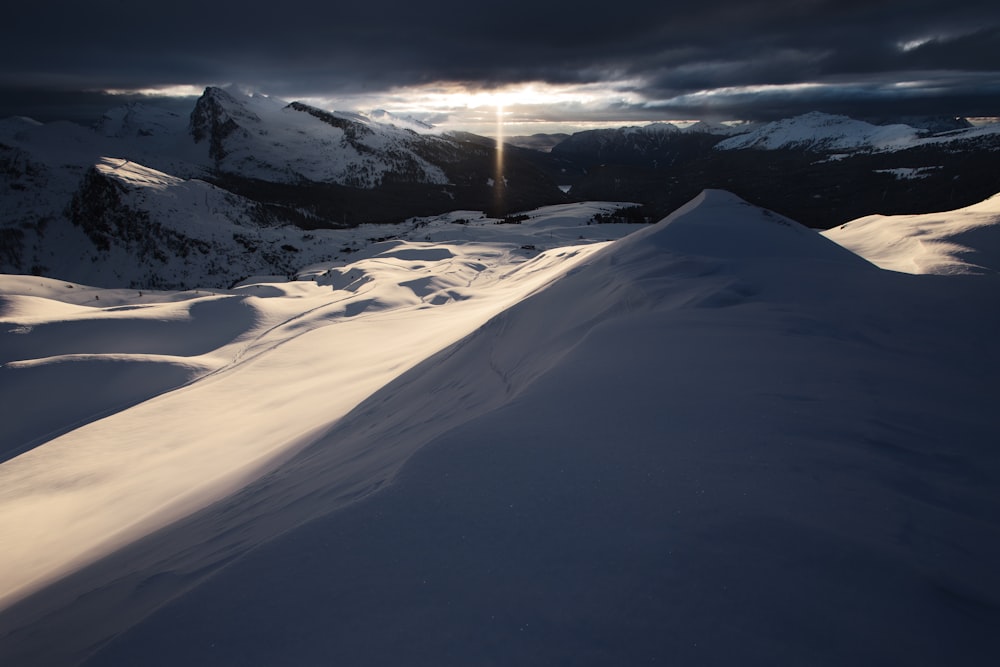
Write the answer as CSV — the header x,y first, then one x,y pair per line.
x,y
720,439
952,242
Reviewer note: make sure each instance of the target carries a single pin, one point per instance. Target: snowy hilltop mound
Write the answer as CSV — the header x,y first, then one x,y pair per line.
x,y
817,131
951,242
719,224
720,439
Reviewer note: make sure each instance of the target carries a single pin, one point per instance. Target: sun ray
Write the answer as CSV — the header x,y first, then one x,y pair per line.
x,y
499,182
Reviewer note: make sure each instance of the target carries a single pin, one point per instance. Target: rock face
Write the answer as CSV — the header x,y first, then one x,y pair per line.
x,y
152,230
214,120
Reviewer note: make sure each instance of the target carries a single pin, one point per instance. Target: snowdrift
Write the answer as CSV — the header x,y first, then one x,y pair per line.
x,y
952,242
720,439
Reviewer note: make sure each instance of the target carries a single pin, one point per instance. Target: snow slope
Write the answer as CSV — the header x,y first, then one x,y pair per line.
x,y
720,439
951,242
171,339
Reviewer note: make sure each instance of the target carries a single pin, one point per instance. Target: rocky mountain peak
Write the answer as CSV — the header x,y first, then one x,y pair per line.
x,y
215,117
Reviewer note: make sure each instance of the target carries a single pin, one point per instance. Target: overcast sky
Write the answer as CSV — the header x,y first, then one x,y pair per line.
x,y
452,62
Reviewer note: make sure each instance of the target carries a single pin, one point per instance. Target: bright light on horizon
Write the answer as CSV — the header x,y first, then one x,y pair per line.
x,y
545,107
527,108
184,90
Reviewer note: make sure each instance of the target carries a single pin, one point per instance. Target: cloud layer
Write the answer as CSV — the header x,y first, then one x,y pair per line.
x,y
664,59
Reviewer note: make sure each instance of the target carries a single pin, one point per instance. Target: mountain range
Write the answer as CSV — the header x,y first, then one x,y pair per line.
x,y
153,198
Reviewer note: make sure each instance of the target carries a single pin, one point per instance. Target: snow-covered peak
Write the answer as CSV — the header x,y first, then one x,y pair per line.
x,y
721,225
653,128
710,127
260,137
822,132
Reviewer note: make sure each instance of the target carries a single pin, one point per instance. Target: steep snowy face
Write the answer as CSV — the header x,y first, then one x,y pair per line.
x,y
259,137
216,116
145,228
820,132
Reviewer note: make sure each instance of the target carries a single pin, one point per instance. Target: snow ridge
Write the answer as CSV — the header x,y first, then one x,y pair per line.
x,y
818,131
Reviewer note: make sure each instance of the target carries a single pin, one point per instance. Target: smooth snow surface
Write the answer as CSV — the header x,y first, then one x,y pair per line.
x,y
962,241
353,328
722,439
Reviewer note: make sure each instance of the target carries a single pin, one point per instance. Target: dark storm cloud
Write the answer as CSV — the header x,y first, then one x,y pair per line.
x,y
297,49
72,105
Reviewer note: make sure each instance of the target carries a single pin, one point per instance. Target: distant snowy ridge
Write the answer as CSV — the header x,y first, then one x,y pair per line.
x,y
821,132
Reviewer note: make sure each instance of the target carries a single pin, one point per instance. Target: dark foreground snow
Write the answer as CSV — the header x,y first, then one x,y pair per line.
x,y
721,440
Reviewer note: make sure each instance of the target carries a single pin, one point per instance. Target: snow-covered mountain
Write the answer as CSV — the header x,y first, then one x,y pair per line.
x,y
153,198
262,138
821,132
291,164
817,131
720,439
121,223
